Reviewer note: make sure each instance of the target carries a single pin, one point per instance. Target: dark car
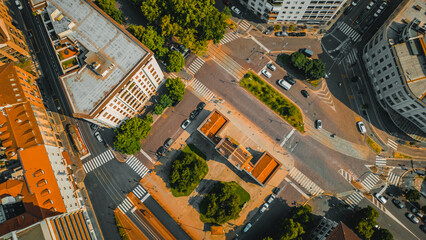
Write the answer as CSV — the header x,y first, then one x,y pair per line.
x,y
194,114
290,80
160,151
318,124
278,34
397,203
201,106
301,34
305,93
355,79
423,228
292,34
168,143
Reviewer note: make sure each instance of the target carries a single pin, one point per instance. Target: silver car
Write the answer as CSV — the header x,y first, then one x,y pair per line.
x,y
186,123
412,218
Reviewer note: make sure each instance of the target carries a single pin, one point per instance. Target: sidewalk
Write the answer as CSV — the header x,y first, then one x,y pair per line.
x,y
132,231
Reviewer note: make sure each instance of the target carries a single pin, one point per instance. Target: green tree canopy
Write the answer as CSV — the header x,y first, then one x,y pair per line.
x,y
175,61
318,69
303,214
298,60
108,6
365,228
166,101
158,109
365,221
150,38
129,134
176,88
291,229
412,195
382,234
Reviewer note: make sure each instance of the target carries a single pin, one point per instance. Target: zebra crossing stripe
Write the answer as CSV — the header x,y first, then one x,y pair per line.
x,y
394,179
392,144
305,182
137,166
196,65
370,181
201,89
145,197
139,191
244,25
349,31
230,36
125,205
380,161
354,198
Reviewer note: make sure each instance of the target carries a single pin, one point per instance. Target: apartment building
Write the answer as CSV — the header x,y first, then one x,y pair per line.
x,y
395,59
12,42
108,74
295,11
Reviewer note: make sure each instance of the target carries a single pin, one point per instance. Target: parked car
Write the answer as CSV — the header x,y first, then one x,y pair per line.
x,y
289,79
186,123
281,34
247,227
284,84
361,127
305,93
355,79
18,4
235,10
380,198
160,151
318,124
383,5
354,2
271,198
94,127
264,207
416,212
370,5
412,218
377,13
98,137
193,114
266,73
293,34
168,143
271,66
423,228
201,106
301,34
397,203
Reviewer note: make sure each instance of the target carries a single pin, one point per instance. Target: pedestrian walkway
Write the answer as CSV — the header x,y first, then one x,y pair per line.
x,y
380,161
349,177
125,205
196,65
393,179
305,182
201,90
172,75
353,199
137,166
370,181
348,31
230,36
140,193
244,25
226,62
391,143
325,96
351,57
97,161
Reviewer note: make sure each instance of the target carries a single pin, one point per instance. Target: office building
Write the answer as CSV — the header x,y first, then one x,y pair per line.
x,y
295,11
395,59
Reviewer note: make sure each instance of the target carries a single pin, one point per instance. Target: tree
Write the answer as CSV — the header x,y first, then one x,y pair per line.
x,y
291,28
175,61
176,88
365,228
129,134
298,60
127,144
292,229
366,221
368,213
382,234
166,101
412,195
150,38
303,214
108,6
318,69
158,110
277,27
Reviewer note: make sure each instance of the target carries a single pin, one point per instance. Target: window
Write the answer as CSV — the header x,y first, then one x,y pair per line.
x,y
413,106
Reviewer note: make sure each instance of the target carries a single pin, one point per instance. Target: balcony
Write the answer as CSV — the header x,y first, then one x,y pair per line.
x,y
273,7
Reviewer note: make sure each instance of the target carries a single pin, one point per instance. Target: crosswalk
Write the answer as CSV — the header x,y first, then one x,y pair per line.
x,y
370,181
196,65
391,143
97,161
351,57
125,205
244,25
348,31
140,193
348,176
137,166
394,179
325,96
172,75
305,182
353,199
380,161
230,36
201,90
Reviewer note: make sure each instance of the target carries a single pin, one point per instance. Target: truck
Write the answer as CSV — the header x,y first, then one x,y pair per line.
x,y
76,139
307,52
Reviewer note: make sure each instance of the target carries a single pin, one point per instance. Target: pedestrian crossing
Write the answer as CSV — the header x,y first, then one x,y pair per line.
x,y
141,193
125,205
201,89
394,179
230,36
380,161
98,161
370,181
244,25
353,199
348,31
172,75
196,65
325,96
348,176
305,182
137,166
391,143
351,57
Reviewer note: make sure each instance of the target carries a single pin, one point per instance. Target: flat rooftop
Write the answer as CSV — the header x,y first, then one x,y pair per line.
x,y
96,33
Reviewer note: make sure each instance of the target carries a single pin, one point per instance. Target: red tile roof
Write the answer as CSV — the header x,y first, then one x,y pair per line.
x,y
342,232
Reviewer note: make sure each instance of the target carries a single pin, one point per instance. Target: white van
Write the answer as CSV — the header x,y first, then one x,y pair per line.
x,y
284,84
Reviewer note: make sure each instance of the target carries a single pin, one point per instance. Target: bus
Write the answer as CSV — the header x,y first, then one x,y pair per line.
x,y
76,139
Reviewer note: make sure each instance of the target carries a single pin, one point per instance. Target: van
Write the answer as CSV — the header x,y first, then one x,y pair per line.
x,y
306,52
284,84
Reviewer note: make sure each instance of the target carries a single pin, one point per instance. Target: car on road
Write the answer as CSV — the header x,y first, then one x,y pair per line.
x,y
98,137
289,79
380,198
264,207
201,106
266,73
377,13
412,218
271,66
270,199
397,203
305,93
194,114
186,123
370,5
18,4
318,124
361,127
383,5
235,10
94,127
247,227
416,212
354,2
284,84
168,143
160,151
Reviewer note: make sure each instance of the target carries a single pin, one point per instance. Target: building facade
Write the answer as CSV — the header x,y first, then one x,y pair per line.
x,y
294,11
12,41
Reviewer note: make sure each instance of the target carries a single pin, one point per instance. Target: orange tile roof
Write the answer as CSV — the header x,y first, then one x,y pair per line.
x,y
265,168
213,124
342,232
11,187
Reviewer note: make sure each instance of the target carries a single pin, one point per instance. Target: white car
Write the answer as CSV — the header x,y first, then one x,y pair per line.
x,y
264,207
247,227
266,73
18,4
271,198
235,10
271,66
377,13
361,127
370,5
186,123
380,198
98,137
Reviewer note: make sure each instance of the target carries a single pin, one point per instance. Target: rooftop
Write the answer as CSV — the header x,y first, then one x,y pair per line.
x,y
103,40
342,232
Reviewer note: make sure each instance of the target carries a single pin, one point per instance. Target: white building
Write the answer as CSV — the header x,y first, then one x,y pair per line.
x,y
294,11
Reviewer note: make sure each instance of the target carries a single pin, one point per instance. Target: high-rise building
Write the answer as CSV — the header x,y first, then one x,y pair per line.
x,y
395,59
109,74
12,42
294,11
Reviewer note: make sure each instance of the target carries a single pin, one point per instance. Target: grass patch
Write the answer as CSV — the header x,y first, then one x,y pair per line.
x,y
69,63
274,100
373,145
314,83
400,155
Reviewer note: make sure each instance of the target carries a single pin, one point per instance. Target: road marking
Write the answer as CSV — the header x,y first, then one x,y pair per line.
x,y
287,137
305,182
147,156
380,161
391,143
297,188
260,44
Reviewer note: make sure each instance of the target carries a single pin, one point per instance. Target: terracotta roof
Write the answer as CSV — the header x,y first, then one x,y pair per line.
x,y
342,232
265,168
213,124
217,230
11,187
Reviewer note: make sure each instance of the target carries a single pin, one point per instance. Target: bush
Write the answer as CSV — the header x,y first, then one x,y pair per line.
x,y
158,110
129,134
312,69
291,28
412,195
108,6
120,229
274,100
175,61
188,169
277,27
175,88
